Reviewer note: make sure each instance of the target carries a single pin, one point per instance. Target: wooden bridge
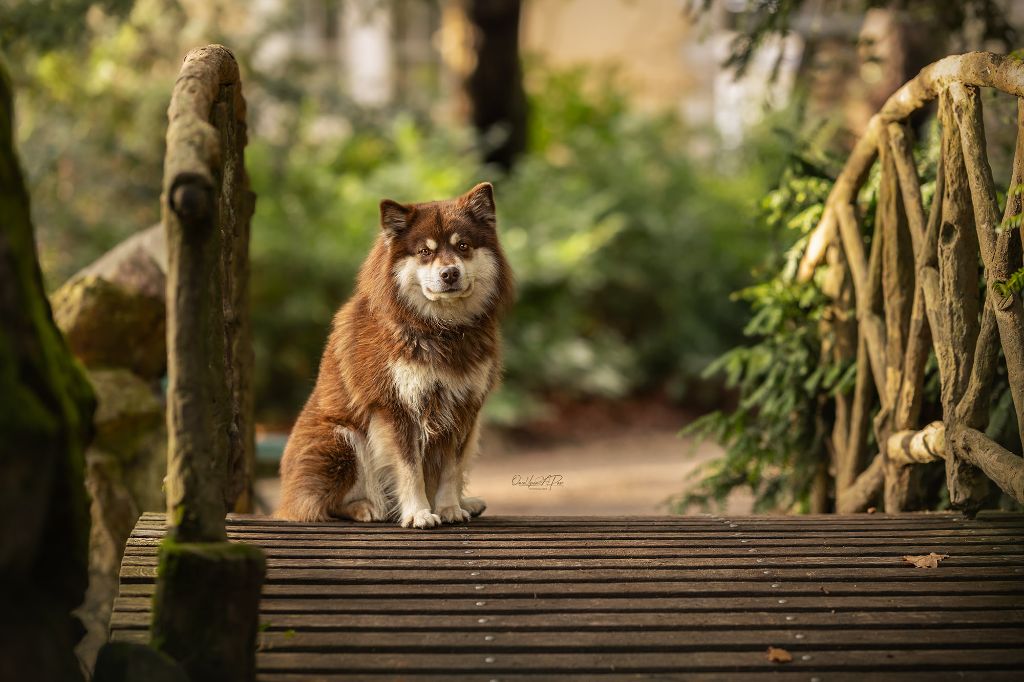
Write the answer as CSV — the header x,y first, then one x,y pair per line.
x,y
652,598
792,598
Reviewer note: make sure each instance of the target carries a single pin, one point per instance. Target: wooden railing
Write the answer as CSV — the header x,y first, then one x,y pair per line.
x,y
206,603
917,291
206,208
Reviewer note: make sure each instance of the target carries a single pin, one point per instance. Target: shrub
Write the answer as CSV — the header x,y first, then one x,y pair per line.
x,y
775,437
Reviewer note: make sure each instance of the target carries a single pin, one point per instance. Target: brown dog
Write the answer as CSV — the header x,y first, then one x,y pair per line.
x,y
393,418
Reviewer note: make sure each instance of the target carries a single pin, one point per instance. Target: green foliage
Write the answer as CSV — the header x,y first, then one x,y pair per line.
x,y
624,253
91,118
50,24
773,437
1012,222
624,247
1013,285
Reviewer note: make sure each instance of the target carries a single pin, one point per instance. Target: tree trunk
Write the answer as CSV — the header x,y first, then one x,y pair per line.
x,y
46,408
495,85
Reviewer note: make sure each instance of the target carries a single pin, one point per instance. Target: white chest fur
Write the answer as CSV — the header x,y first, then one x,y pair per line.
x,y
417,382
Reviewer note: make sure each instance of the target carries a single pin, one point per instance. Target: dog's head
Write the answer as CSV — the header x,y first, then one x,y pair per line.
x,y
445,257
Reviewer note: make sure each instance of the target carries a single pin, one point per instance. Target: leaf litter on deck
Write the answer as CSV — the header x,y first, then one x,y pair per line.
x,y
930,560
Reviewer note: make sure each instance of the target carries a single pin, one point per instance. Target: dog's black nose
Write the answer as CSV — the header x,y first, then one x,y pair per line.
x,y
450,275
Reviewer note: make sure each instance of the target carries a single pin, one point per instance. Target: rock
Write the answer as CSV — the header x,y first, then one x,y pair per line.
x,y
107,325
125,662
114,513
128,409
125,468
138,264
145,472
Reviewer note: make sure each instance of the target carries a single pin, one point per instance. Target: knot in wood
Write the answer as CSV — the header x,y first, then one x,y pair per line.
x,y
191,202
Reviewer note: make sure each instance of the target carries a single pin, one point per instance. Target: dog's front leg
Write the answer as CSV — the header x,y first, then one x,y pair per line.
x,y
448,498
395,444
413,507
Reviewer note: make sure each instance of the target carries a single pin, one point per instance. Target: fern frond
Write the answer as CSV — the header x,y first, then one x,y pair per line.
x,y
1013,285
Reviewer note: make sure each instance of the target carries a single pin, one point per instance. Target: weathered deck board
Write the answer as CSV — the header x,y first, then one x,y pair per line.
x,y
637,598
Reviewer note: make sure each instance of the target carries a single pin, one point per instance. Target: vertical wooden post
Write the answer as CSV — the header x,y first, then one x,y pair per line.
x,y
1000,250
847,460
897,290
207,206
206,607
909,398
960,311
235,209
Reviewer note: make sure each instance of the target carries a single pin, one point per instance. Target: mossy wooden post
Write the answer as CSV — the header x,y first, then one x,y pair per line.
x,y
205,611
46,408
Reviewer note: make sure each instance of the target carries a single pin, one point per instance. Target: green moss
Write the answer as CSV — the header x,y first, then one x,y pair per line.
x,y
47,400
179,516
206,608
47,407
170,548
125,662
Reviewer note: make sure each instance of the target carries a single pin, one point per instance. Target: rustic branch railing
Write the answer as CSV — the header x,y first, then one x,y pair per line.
x,y
206,605
207,207
918,290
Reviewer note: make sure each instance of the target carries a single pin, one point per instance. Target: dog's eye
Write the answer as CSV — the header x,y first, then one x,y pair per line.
x,y
463,246
425,251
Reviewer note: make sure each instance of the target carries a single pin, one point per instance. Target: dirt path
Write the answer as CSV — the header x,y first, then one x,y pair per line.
x,y
633,472
615,471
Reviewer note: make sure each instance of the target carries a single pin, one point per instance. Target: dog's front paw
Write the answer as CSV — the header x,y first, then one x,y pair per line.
x,y
474,505
424,518
453,514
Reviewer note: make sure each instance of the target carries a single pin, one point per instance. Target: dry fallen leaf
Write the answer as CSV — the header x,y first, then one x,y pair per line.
x,y
777,655
925,560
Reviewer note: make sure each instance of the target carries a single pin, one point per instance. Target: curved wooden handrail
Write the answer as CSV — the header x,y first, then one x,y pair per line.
x,y
978,69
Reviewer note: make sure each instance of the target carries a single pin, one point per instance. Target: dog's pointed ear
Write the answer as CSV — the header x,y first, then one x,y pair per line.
x,y
394,217
479,201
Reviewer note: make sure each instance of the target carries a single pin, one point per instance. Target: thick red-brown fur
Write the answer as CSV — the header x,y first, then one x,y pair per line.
x,y
376,328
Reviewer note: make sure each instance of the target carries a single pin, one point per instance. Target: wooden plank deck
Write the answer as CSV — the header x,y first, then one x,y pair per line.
x,y
605,598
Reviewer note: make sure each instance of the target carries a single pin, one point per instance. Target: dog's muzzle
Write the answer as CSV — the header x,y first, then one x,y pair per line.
x,y
451,279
